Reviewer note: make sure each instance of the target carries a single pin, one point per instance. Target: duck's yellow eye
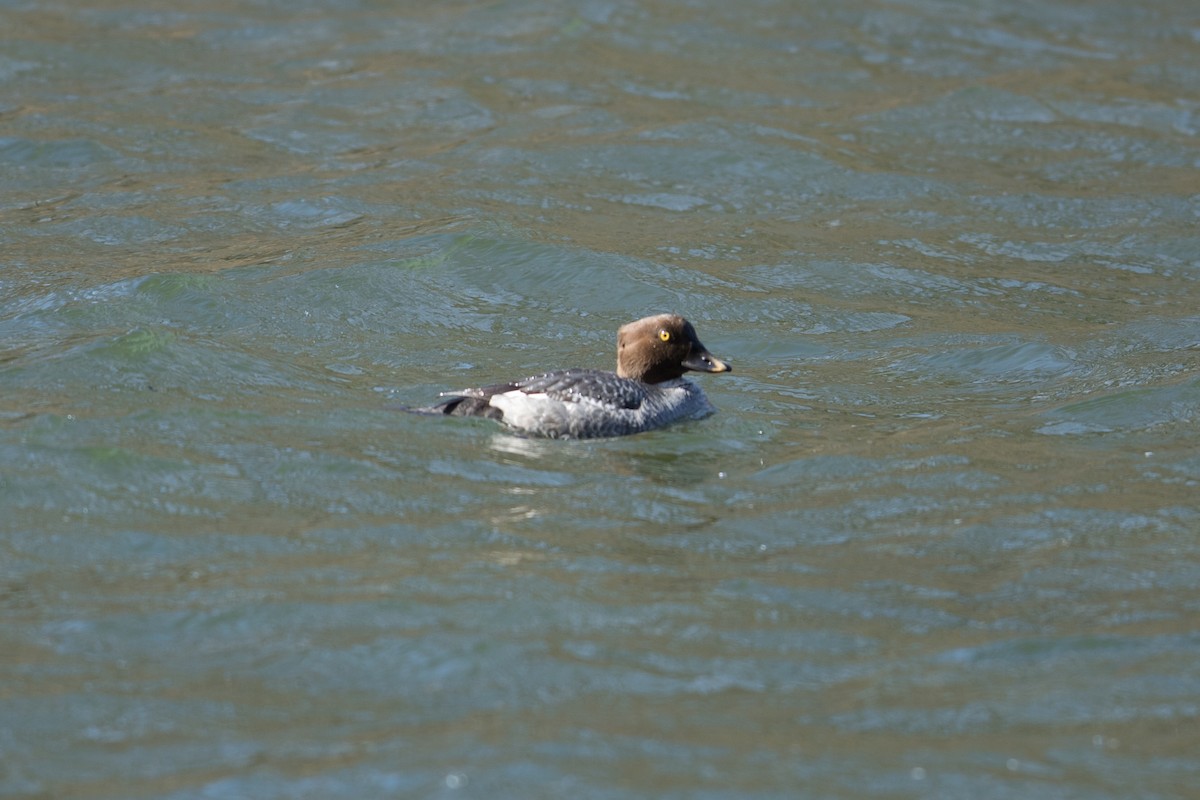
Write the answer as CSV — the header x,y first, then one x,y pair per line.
x,y
664,335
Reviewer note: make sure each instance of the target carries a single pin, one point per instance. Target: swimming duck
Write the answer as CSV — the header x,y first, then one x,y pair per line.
x,y
647,391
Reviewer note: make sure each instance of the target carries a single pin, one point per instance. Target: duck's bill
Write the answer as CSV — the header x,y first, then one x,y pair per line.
x,y
704,361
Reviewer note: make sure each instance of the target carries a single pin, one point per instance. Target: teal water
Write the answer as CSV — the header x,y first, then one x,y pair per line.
x,y
940,540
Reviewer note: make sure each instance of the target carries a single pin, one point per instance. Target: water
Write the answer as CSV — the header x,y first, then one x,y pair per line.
x,y
939,541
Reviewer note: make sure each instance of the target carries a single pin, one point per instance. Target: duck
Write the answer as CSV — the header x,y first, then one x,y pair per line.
x,y
648,390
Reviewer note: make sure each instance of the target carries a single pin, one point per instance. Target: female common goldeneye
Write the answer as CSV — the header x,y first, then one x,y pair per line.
x,y
647,390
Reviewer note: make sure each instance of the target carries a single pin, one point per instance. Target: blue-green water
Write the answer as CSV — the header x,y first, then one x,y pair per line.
x,y
939,541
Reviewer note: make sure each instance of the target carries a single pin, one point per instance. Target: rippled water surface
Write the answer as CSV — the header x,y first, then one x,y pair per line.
x,y
939,541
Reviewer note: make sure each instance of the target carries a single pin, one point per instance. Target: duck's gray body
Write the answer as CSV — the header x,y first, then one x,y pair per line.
x,y
580,404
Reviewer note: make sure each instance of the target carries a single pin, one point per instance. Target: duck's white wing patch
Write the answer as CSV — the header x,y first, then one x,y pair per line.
x,y
586,385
